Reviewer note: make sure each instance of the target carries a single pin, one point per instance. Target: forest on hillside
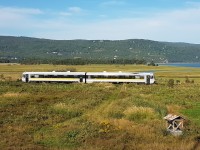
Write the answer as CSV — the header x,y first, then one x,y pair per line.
x,y
132,51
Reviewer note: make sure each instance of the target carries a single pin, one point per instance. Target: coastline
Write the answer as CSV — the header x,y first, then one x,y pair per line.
x,y
194,65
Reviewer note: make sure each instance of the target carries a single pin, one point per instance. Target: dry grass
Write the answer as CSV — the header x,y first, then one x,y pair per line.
x,y
139,113
14,71
12,94
97,116
174,109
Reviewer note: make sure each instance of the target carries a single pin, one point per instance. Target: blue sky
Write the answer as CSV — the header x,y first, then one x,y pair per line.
x,y
161,20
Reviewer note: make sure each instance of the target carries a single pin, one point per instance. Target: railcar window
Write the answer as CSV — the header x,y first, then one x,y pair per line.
x,y
114,77
141,77
93,76
111,77
137,77
36,76
60,76
121,77
126,77
88,77
69,76
131,77
41,76
103,77
80,76
50,76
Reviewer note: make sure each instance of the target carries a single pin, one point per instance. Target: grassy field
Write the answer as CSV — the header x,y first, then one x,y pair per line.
x,y
98,116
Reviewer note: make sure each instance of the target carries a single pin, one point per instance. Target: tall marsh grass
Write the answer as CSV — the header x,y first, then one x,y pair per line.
x,y
97,116
139,114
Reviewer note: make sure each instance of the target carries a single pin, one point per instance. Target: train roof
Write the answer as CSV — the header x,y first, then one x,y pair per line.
x,y
90,73
57,73
119,73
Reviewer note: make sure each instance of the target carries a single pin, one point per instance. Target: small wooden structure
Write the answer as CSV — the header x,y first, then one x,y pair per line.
x,y
174,124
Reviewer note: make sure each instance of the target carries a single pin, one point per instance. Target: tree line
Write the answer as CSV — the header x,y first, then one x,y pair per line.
x,y
81,61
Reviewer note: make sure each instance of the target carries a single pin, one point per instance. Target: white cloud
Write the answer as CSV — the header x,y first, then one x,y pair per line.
x,y
103,16
65,14
22,11
113,3
192,4
17,17
178,25
75,9
72,11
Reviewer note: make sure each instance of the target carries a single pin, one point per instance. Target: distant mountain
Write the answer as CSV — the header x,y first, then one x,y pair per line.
x,y
24,48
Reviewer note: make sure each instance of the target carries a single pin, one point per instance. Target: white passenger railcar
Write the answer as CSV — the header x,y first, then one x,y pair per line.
x,y
89,77
120,77
53,76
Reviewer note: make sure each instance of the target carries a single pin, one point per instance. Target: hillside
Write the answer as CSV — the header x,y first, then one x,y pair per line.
x,y
16,49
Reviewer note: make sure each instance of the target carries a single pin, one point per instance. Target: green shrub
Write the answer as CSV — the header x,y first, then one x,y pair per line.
x,y
170,83
187,80
116,114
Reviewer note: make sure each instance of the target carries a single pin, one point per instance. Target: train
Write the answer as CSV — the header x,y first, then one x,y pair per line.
x,y
90,77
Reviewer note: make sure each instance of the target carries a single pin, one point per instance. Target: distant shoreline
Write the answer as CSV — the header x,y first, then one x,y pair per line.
x,y
194,65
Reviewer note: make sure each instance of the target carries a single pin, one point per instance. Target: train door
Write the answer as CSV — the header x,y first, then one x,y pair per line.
x,y
26,78
85,77
81,79
148,78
